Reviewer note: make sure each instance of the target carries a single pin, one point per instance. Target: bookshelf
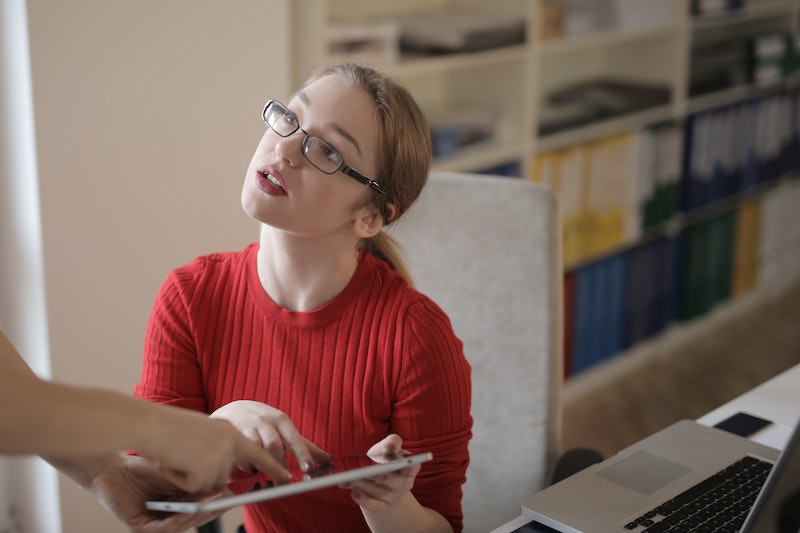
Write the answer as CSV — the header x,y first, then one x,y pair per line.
x,y
638,212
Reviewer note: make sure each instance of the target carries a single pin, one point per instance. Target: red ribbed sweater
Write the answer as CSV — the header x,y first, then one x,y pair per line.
x,y
380,358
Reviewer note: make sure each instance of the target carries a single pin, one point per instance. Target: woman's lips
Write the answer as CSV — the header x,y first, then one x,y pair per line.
x,y
269,184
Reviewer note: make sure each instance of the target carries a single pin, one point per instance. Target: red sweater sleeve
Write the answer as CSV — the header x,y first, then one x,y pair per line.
x,y
434,373
171,372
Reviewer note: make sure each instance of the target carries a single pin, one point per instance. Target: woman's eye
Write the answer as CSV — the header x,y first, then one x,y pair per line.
x,y
329,152
290,119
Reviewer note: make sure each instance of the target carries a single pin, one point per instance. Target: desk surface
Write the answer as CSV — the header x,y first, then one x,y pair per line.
x,y
777,399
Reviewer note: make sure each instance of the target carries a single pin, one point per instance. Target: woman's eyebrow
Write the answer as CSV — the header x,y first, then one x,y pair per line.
x,y
341,131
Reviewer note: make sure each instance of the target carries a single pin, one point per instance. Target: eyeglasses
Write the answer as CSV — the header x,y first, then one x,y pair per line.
x,y
318,152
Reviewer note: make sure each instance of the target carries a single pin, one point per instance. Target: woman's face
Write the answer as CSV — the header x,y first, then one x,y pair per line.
x,y
284,190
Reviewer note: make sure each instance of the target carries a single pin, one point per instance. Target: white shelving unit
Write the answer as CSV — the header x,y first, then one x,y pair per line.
x,y
514,82
500,79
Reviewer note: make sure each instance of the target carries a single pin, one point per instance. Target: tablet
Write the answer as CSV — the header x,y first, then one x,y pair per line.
x,y
338,472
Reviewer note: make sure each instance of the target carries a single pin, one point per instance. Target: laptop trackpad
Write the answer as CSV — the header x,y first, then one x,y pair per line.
x,y
643,472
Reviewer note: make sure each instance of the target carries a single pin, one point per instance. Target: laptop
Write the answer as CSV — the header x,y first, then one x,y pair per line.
x,y
653,483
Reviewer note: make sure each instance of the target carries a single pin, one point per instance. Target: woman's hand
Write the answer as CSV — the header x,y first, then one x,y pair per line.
x,y
387,490
123,485
386,501
274,431
200,453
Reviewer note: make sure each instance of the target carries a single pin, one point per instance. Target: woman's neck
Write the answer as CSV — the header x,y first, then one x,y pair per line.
x,y
304,274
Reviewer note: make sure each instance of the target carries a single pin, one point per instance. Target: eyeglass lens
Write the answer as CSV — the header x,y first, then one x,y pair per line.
x,y
321,154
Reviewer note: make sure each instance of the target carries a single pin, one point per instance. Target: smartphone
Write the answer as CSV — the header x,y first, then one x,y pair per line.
x,y
743,424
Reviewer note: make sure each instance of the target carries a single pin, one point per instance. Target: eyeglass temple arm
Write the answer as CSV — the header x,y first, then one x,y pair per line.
x,y
365,180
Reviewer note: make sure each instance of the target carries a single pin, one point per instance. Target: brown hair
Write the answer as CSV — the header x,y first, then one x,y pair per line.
x,y
404,157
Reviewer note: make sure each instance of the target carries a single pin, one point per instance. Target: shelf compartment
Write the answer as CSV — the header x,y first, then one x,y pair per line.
x,y
605,39
603,128
750,13
423,65
480,156
737,94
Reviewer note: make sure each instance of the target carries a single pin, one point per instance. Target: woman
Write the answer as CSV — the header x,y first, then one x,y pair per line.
x,y
312,340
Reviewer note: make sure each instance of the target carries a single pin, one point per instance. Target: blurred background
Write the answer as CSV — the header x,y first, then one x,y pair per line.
x,y
668,129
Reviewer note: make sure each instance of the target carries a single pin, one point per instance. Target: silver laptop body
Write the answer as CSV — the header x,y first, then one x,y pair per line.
x,y
610,495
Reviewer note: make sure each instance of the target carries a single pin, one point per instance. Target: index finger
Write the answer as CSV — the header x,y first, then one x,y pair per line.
x,y
307,454
250,453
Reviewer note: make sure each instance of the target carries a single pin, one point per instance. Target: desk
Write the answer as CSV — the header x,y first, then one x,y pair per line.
x,y
777,399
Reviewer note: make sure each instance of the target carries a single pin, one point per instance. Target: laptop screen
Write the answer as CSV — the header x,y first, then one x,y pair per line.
x,y
777,508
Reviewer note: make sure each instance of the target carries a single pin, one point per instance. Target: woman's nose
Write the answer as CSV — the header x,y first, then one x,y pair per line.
x,y
290,148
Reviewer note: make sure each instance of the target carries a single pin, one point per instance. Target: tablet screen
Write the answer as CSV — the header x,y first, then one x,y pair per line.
x,y
257,488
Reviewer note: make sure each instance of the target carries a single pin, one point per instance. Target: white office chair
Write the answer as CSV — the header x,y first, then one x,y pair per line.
x,y
487,250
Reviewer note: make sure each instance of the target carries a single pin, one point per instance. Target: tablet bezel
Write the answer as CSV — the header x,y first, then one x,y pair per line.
x,y
288,489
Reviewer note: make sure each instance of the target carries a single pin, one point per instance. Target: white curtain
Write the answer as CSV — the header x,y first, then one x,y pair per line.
x,y
28,486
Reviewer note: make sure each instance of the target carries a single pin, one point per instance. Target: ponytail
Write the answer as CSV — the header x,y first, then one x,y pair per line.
x,y
385,247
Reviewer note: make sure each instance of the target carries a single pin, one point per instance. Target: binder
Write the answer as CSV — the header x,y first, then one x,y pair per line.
x,y
669,154
655,298
668,280
724,278
692,271
636,296
607,301
569,321
794,164
745,262
714,155
594,333
616,303
571,163
750,164
648,196
581,332
699,161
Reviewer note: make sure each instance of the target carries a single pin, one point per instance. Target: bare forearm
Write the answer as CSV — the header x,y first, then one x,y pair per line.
x,y
407,516
58,420
45,418
83,471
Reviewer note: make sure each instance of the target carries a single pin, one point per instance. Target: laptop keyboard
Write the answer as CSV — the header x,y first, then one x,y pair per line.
x,y
719,503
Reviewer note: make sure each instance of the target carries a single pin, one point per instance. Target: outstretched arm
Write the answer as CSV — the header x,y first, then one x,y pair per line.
x,y
68,424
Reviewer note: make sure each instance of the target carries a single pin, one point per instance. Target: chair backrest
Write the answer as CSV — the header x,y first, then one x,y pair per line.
x,y
487,250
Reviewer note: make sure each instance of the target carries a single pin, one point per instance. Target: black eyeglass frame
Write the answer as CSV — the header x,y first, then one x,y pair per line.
x,y
353,173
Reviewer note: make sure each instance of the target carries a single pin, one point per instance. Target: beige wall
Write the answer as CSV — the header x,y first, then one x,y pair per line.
x,y
146,114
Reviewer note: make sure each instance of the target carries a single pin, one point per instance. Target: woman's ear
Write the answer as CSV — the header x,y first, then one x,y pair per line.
x,y
391,212
367,222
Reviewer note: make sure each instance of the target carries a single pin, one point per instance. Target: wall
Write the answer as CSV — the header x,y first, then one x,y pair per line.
x,y
23,314
146,114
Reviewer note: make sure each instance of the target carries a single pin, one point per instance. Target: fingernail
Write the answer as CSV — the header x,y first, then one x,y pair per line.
x,y
308,465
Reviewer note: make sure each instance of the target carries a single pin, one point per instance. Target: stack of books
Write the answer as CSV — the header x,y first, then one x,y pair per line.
x,y
703,8
598,99
772,57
